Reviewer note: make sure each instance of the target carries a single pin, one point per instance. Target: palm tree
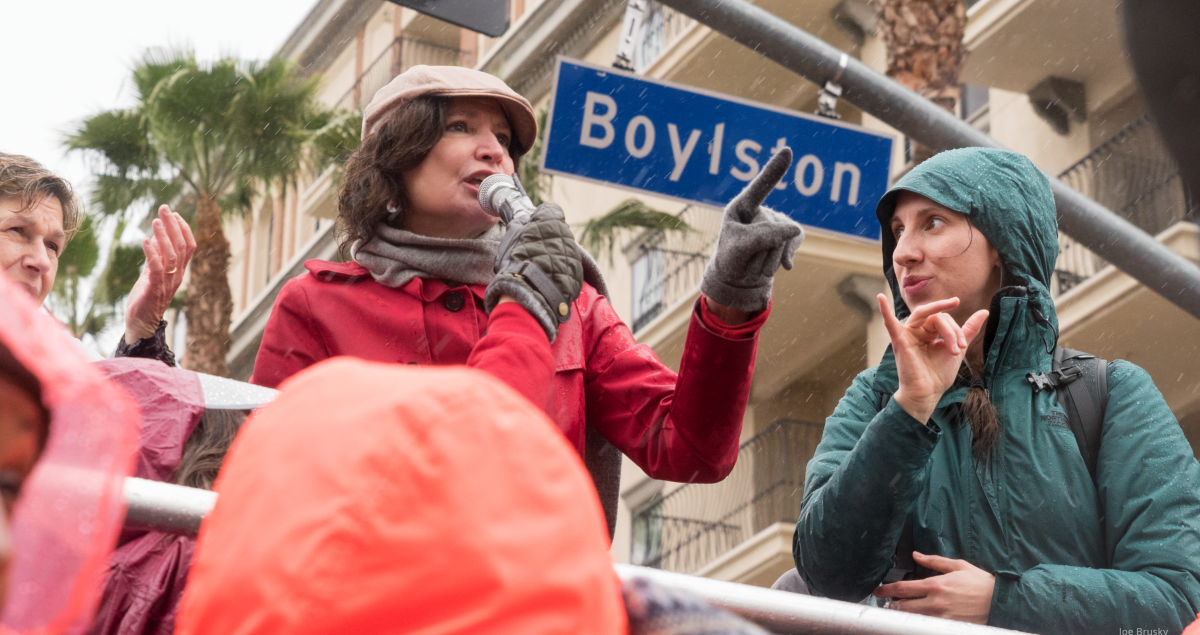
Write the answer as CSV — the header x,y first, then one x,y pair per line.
x,y
212,138
925,51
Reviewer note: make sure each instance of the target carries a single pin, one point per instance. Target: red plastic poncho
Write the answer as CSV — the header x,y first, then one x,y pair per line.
x,y
71,509
148,571
375,498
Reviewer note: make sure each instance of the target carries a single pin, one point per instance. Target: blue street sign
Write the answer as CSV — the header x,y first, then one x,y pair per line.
x,y
685,143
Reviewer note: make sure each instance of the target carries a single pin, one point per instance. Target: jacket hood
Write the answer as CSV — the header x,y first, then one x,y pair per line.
x,y
70,510
171,405
172,401
1005,196
378,498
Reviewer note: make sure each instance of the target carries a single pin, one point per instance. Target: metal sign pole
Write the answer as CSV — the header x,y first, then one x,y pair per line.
x,y
1111,237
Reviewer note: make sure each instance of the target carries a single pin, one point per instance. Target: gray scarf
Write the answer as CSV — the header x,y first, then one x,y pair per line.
x,y
395,256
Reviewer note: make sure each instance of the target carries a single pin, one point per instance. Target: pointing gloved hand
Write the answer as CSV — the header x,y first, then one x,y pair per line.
x,y
539,266
753,243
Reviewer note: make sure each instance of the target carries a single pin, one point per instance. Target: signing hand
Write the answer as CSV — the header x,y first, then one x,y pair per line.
x,y
963,592
929,347
167,254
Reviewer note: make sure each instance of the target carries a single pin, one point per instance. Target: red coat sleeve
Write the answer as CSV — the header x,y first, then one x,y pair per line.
x,y
681,427
515,350
291,341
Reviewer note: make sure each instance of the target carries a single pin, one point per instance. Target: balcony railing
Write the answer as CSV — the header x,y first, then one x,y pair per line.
x,y
1133,175
668,267
695,524
386,66
662,28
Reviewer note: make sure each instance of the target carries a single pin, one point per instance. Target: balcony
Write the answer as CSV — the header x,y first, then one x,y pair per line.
x,y
662,28
403,54
667,267
1014,44
1133,175
695,525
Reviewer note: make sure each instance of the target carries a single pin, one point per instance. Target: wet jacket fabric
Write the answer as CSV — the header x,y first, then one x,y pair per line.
x,y
374,498
681,427
1069,555
70,510
148,571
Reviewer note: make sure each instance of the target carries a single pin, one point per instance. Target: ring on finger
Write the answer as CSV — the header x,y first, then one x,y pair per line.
x,y
173,270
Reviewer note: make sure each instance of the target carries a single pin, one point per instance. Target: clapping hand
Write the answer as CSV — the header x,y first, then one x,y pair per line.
x,y
929,347
168,252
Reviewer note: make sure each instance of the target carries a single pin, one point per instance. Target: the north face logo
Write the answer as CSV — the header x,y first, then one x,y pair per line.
x,y
1056,419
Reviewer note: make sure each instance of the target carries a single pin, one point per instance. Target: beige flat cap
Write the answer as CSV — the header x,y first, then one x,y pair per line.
x,y
452,81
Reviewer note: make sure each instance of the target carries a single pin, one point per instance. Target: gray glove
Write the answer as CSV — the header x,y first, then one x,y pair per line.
x,y
539,265
752,244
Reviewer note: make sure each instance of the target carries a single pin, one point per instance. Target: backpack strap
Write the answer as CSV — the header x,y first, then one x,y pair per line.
x,y
1080,382
1087,395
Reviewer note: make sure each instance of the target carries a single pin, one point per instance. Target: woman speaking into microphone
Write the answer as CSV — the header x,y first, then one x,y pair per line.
x,y
421,286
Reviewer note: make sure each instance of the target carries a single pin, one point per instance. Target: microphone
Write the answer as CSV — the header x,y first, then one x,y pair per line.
x,y
502,195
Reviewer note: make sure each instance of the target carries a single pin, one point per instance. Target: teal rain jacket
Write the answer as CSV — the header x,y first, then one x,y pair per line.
x,y
1069,555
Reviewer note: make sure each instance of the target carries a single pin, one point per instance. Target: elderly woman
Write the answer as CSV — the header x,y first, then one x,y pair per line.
x,y
959,435
39,214
422,288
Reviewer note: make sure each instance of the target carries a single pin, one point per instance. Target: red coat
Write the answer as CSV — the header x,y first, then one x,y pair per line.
x,y
681,427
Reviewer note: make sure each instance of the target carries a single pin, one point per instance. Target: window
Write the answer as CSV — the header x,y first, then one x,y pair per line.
x,y
974,99
647,287
646,549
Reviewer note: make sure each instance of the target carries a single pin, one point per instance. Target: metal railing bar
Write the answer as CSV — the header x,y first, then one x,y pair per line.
x,y
170,509
761,436
793,614
1113,141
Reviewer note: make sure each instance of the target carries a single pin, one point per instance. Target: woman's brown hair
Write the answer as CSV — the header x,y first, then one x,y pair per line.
x,y
206,447
372,178
978,407
26,180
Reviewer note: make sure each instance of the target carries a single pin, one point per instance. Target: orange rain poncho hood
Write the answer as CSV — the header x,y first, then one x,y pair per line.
x,y
373,498
70,510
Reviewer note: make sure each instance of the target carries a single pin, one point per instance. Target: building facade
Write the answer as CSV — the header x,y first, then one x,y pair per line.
x,y
1048,79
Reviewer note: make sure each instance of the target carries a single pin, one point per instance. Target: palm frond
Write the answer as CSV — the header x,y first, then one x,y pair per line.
x,y
81,255
599,235
335,137
120,140
530,171
124,266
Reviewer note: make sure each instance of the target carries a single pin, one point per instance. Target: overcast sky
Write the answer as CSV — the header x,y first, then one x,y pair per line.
x,y
65,60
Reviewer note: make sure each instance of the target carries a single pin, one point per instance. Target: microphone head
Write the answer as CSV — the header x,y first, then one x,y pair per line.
x,y
488,187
